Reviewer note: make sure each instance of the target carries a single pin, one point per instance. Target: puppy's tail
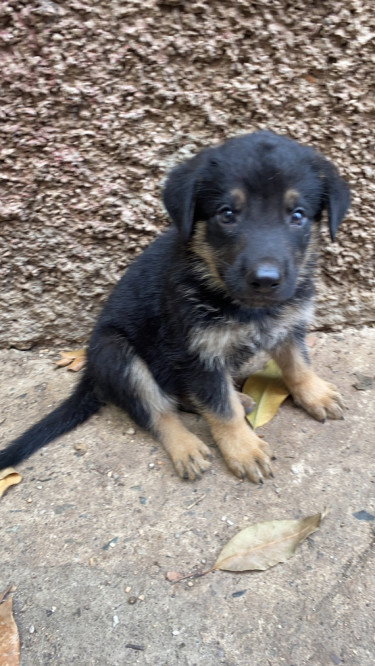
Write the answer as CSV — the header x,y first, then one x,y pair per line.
x,y
75,410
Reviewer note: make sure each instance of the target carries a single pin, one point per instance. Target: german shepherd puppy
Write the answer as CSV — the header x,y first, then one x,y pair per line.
x,y
232,276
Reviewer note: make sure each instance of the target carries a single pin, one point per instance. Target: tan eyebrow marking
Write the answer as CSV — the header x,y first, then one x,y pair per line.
x,y
239,197
290,199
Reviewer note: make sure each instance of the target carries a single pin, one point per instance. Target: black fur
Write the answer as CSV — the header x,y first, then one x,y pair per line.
x,y
226,263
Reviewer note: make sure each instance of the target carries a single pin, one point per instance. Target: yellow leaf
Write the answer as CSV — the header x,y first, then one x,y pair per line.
x,y
8,477
263,545
268,390
73,360
9,639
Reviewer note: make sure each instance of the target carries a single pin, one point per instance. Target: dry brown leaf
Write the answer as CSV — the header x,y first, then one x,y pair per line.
x,y
72,360
8,477
260,546
268,390
7,591
9,639
263,545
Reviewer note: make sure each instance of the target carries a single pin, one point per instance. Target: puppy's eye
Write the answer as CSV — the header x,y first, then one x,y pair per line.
x,y
298,217
226,216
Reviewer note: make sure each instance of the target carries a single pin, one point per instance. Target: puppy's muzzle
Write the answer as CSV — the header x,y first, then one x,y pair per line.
x,y
265,277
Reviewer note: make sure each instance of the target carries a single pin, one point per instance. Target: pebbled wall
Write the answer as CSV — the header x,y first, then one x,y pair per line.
x,y
99,99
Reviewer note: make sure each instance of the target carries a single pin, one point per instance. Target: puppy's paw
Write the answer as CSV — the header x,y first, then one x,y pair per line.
x,y
249,457
319,398
190,457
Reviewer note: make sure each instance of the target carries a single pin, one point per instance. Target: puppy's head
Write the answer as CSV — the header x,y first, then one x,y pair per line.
x,y
248,209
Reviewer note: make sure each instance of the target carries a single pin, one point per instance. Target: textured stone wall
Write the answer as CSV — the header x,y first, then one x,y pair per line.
x,y
99,99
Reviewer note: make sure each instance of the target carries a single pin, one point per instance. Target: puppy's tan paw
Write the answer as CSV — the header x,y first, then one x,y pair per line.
x,y
249,457
190,457
319,398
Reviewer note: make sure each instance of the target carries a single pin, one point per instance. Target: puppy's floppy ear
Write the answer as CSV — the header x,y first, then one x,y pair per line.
x,y
336,196
180,192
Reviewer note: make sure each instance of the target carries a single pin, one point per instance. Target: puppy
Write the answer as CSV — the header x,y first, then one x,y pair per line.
x,y
231,277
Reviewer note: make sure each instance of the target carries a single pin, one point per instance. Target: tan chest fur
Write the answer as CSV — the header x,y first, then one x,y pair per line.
x,y
221,341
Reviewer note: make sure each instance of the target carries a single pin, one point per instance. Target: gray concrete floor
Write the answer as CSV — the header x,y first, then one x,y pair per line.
x,y
84,536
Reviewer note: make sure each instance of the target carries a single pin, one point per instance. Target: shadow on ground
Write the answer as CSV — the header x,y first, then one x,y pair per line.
x,y
88,539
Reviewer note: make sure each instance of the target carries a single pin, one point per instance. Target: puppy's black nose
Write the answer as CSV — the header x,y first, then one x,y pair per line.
x,y
265,276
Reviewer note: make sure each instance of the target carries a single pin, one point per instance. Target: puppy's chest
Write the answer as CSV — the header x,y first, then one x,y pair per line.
x,y
231,343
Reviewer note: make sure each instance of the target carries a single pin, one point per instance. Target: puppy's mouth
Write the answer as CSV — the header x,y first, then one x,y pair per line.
x,y
259,302
261,288
253,298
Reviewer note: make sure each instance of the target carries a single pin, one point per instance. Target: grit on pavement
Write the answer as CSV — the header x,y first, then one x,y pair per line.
x,y
100,518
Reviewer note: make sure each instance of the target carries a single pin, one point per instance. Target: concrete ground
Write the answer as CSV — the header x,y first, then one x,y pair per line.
x,y
88,539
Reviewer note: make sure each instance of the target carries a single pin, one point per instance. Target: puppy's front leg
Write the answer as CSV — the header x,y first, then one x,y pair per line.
x,y
315,395
245,454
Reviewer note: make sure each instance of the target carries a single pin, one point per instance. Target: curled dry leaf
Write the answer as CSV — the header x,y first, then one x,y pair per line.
x,y
268,390
263,545
9,639
72,360
8,477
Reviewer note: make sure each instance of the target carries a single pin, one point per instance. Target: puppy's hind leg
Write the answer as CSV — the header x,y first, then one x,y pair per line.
x,y
188,453
125,379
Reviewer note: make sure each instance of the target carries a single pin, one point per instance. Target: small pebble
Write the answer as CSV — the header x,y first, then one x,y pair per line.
x,y
175,632
227,521
130,431
128,589
31,629
115,621
132,600
151,465
80,448
141,597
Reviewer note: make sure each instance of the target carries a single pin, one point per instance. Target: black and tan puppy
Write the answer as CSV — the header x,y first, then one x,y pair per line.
x,y
231,277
